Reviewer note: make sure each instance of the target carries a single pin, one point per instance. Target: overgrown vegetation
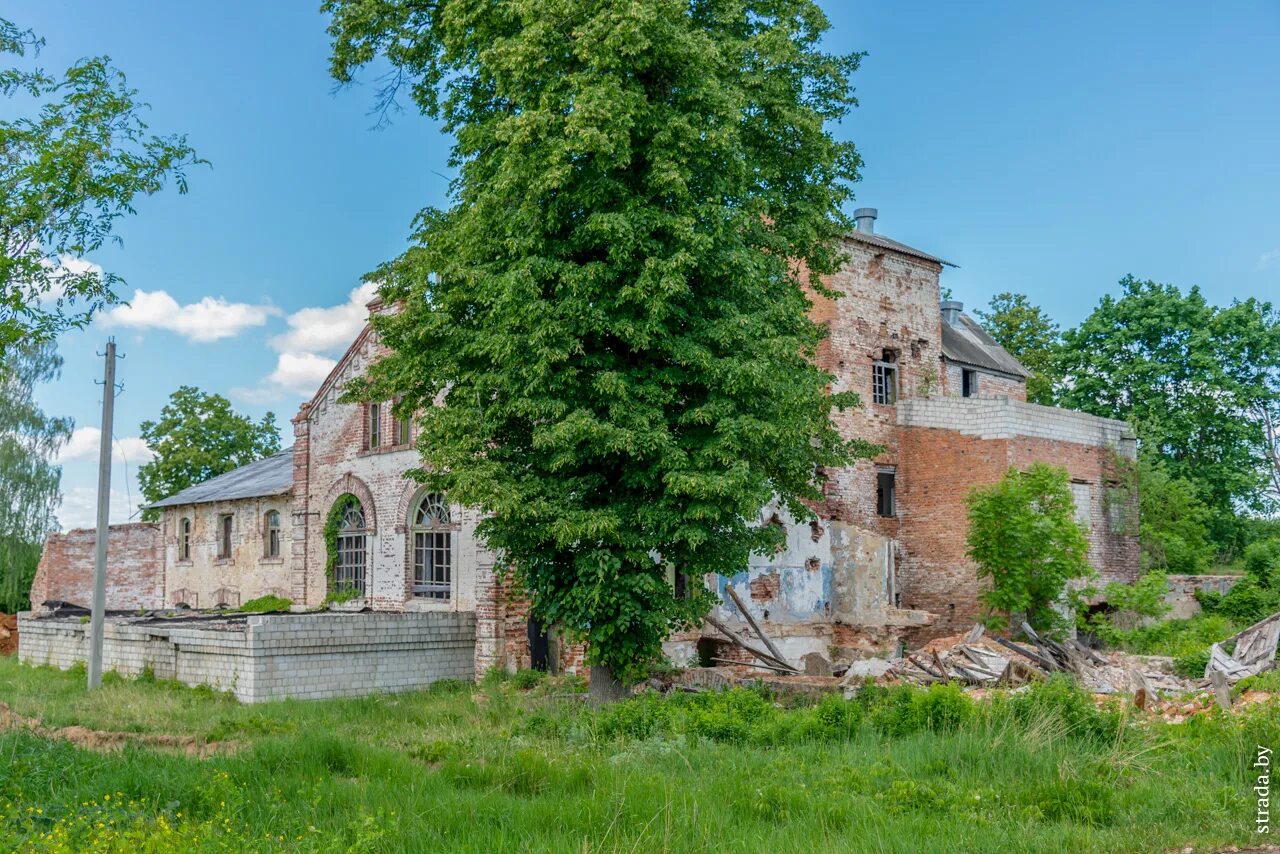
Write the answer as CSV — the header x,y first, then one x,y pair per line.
x,y
332,528
461,768
1024,537
265,604
621,369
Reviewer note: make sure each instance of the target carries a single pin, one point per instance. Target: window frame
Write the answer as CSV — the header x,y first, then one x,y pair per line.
x,y
373,426
271,546
226,525
431,552
968,382
884,379
352,541
184,538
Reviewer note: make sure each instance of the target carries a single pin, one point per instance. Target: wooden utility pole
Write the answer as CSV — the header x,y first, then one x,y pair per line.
x,y
104,517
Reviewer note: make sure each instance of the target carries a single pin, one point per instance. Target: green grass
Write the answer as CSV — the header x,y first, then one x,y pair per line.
x,y
499,768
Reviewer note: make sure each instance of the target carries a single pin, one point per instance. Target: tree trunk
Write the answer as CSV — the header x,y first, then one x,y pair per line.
x,y
603,687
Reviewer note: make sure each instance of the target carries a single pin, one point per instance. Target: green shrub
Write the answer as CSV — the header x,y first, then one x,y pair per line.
x,y
266,604
944,708
526,679
1191,665
1262,562
1059,701
728,715
638,718
1245,603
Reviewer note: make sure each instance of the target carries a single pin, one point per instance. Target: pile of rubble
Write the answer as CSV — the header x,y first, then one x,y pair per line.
x,y
987,661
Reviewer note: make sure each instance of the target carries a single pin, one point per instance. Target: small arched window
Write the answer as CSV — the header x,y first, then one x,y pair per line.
x,y
271,534
184,538
349,569
432,548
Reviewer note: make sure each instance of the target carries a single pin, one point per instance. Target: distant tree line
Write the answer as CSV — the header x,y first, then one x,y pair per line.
x,y
1201,385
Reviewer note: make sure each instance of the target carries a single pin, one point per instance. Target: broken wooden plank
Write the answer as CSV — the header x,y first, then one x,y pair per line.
x,y
758,653
1221,692
975,633
1025,653
751,621
918,663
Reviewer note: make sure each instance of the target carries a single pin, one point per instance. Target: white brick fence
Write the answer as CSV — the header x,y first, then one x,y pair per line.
x,y
270,657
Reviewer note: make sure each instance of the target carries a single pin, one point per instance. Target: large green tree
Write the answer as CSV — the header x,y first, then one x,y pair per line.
x,y
612,313
199,436
29,480
1190,377
71,165
1031,337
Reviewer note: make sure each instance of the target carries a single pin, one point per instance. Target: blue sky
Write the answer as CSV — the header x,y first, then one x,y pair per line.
x,y
1048,149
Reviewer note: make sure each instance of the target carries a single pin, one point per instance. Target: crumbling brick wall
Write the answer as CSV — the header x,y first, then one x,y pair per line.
x,y
135,568
940,465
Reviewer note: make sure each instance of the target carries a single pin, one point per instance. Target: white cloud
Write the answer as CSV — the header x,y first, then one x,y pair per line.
x,y
210,319
1266,258
301,373
327,329
315,335
80,508
85,441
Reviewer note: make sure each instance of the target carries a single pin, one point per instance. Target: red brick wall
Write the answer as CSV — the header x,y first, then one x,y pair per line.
x,y
938,469
135,568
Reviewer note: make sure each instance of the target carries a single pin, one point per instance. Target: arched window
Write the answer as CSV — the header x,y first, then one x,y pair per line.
x,y
349,569
271,534
432,548
184,538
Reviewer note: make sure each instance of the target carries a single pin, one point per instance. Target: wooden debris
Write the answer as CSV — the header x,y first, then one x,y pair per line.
x,y
760,654
1255,651
1221,692
755,627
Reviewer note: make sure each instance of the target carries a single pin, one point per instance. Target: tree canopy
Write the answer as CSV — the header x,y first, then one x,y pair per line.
x,y
199,436
1192,377
70,170
1030,336
29,480
605,336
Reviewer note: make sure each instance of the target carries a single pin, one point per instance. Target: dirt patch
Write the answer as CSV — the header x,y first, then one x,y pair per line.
x,y
8,634
103,741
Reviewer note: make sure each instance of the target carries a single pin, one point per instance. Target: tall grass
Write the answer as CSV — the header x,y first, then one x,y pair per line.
x,y
501,769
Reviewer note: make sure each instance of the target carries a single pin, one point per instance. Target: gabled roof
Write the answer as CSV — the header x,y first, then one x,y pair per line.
x,y
968,343
266,477
881,242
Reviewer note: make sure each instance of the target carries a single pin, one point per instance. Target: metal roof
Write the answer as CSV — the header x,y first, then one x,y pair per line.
x,y
270,476
969,344
882,242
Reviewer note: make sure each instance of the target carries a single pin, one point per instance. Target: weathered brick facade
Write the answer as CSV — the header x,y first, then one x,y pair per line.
x,y
886,558
135,568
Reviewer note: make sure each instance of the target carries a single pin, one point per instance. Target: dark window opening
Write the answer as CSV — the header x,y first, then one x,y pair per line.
x,y
224,537
886,498
968,383
681,585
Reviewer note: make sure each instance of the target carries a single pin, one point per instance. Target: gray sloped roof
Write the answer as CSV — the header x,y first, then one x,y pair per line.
x,y
883,242
270,476
968,343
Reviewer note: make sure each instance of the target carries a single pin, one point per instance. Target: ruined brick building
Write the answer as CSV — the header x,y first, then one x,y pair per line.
x,y
886,558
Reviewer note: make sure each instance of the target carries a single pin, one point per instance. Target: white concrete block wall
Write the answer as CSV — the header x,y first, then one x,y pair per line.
x,y
1003,418
272,656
